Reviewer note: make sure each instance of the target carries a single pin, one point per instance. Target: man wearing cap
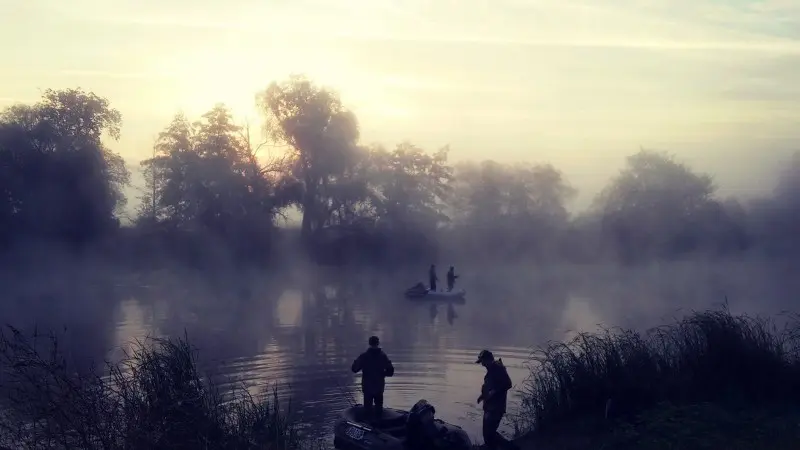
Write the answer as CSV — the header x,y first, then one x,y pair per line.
x,y
374,366
494,394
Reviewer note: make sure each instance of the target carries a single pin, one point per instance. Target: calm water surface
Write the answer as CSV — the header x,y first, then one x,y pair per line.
x,y
303,334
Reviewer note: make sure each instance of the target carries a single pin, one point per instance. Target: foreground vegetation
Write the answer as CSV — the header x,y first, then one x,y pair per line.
x,y
154,398
711,380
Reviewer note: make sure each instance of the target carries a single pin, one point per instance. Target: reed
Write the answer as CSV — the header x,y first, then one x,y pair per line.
x,y
154,398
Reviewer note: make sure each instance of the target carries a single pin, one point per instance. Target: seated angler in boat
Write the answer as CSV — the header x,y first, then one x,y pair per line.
x,y
421,430
417,429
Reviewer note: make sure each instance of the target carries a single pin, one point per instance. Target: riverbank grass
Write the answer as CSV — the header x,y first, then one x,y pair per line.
x,y
710,380
153,398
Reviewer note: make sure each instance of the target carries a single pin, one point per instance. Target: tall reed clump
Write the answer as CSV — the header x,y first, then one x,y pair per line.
x,y
707,357
153,399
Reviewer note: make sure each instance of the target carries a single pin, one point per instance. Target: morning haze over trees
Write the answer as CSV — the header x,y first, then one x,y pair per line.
x,y
210,190
215,197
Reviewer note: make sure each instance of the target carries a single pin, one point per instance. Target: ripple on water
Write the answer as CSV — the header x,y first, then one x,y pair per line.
x,y
306,341
307,350
448,378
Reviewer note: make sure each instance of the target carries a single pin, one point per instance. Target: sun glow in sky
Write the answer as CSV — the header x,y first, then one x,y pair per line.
x,y
579,83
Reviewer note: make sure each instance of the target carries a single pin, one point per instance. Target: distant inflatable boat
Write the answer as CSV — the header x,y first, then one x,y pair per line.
x,y
422,293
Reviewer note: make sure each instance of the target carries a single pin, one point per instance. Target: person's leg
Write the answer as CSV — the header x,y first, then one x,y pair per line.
x,y
490,424
369,399
379,404
498,440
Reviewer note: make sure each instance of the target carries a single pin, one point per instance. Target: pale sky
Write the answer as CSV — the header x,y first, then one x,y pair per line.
x,y
579,83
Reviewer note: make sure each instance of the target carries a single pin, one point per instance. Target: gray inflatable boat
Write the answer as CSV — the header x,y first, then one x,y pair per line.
x,y
352,432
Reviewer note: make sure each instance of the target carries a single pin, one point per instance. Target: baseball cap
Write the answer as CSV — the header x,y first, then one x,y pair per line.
x,y
484,354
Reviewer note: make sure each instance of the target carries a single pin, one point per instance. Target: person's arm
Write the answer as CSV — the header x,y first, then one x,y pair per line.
x,y
484,393
388,367
356,367
501,382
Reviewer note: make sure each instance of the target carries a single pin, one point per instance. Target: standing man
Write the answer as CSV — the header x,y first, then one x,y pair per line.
x,y
374,366
432,278
494,394
451,278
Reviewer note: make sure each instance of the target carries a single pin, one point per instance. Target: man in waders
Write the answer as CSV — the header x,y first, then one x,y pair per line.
x,y
374,366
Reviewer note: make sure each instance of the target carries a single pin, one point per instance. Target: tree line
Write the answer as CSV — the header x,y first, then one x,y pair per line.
x,y
208,182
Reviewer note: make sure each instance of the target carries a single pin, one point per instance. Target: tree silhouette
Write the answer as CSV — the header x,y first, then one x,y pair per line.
x,y
205,176
513,210
321,136
655,205
206,186
59,180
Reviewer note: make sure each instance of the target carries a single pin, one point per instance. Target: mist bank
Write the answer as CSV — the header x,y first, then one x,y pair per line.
x,y
213,196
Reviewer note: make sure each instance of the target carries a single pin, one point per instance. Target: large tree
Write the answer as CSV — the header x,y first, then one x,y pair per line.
x,y
206,174
321,138
59,178
778,216
516,208
656,206
205,177
410,186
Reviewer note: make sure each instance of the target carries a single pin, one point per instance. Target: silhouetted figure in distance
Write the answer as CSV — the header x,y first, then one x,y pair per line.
x,y
451,278
374,366
432,278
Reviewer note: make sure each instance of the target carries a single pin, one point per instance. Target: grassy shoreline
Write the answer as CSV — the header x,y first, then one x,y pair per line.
x,y
153,398
670,427
710,380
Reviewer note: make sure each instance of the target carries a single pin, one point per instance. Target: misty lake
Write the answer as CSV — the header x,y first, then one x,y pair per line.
x,y
303,331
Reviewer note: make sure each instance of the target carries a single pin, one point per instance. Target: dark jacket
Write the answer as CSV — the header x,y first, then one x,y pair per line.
x,y
432,275
451,277
421,435
497,380
374,366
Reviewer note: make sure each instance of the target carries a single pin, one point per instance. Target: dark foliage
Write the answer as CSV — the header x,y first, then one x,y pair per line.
x,y
213,195
154,398
713,357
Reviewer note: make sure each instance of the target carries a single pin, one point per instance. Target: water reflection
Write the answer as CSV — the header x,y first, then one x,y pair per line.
x,y
260,330
451,313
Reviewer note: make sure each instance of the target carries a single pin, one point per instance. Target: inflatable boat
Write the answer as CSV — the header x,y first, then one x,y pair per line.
x,y
419,292
352,432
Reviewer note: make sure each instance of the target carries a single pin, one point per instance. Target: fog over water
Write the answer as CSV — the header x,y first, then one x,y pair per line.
x,y
303,330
